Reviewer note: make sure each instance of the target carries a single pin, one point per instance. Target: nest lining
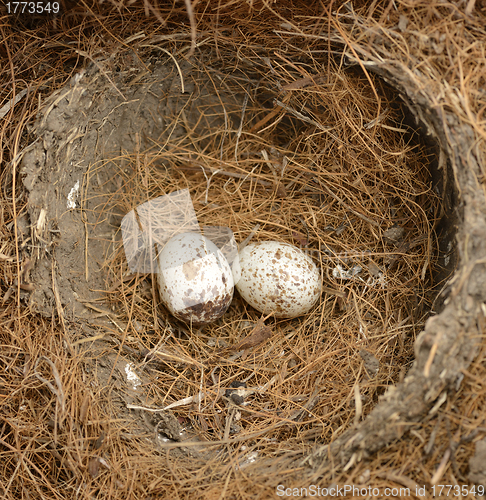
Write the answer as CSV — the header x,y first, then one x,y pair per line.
x,y
314,161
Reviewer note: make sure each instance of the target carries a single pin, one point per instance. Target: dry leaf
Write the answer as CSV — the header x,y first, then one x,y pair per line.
x,y
300,238
258,335
94,467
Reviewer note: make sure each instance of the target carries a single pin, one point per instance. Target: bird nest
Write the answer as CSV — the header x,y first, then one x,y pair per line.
x,y
323,141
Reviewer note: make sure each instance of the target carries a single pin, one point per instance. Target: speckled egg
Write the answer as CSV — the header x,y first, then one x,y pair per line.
x,y
278,277
195,280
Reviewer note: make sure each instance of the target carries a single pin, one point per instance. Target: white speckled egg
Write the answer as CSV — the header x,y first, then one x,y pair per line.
x,y
195,280
278,277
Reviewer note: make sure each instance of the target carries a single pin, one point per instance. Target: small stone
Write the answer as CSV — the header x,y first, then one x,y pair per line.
x,y
237,399
166,423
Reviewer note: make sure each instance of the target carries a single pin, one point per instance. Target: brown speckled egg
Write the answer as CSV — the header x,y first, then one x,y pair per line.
x,y
278,277
195,280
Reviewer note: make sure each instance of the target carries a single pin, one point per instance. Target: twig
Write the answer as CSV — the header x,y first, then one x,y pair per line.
x,y
59,393
182,402
208,182
6,108
441,468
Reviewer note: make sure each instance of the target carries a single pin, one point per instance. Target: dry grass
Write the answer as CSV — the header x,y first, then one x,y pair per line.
x,y
334,168
307,186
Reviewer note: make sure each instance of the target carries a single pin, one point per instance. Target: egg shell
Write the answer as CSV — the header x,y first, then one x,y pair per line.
x,y
278,277
195,280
